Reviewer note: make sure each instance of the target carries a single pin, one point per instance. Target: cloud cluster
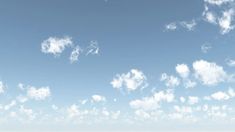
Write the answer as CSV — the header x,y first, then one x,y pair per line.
x,y
131,81
39,93
56,45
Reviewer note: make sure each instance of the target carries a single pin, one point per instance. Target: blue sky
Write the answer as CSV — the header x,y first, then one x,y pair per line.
x,y
117,65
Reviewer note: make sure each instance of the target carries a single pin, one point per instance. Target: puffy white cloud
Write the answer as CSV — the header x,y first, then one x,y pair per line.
x,y
75,54
98,98
193,100
221,95
225,22
2,87
153,102
182,70
170,81
93,49
56,46
132,80
209,72
205,47
39,93
22,99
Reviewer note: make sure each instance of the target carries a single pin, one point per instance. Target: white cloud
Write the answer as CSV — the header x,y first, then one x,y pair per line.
x,y
28,112
39,93
56,46
230,62
73,111
170,81
189,25
171,26
2,87
132,80
98,98
182,70
220,96
153,102
142,114
209,72
218,2
205,48
22,99
182,99
210,16
75,54
190,84
193,100
225,22
9,106
93,49
230,93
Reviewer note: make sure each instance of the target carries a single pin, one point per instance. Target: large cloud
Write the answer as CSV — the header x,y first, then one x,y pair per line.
x,y
209,72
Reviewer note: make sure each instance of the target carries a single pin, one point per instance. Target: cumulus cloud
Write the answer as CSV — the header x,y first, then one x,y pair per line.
x,y
153,102
225,22
28,112
131,81
56,46
170,81
98,98
230,93
182,70
39,93
75,54
209,72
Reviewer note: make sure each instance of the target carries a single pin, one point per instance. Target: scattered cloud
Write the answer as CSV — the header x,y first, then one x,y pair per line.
x,y
189,25
171,27
131,81
170,81
230,62
193,100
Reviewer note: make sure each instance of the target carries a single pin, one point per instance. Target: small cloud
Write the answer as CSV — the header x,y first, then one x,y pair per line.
x,y
75,54
230,62
193,100
2,87
206,47
93,48
171,27
39,93
56,46
170,81
98,98
189,25
182,70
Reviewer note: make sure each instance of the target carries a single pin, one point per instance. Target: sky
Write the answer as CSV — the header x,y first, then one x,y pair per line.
x,y
117,65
